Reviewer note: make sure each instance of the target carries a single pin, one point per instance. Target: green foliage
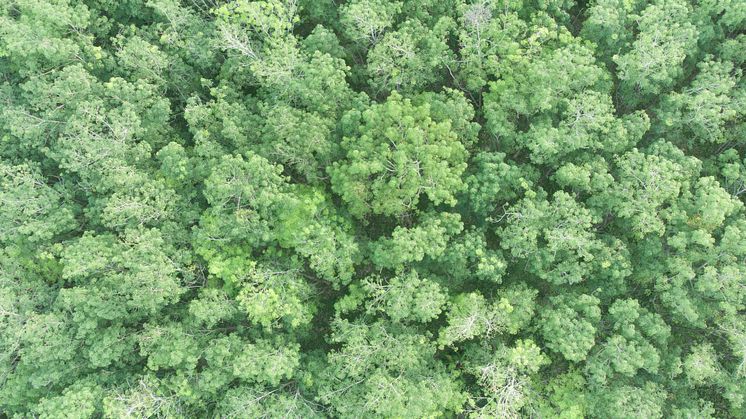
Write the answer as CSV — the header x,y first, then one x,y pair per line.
x,y
654,60
386,371
429,238
32,209
569,325
707,109
372,208
396,154
633,345
471,315
555,238
406,297
364,22
645,183
630,401
408,59
269,297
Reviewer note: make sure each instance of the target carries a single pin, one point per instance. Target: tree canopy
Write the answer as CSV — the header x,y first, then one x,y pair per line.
x,y
372,208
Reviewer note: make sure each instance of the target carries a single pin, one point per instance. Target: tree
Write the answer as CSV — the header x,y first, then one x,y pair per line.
x,y
485,36
241,194
610,24
556,239
495,181
631,401
38,36
569,325
470,315
504,377
707,111
33,210
397,154
408,59
365,21
637,340
539,81
385,370
406,297
271,296
429,238
646,182
655,60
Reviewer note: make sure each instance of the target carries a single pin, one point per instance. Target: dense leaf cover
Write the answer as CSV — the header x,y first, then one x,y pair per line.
x,y
372,208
